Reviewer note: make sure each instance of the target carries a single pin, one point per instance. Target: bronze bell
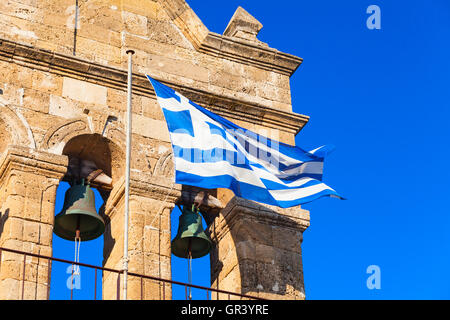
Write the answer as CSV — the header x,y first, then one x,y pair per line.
x,y
191,240
79,214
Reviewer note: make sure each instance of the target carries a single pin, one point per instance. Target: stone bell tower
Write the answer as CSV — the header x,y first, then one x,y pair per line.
x,y
62,103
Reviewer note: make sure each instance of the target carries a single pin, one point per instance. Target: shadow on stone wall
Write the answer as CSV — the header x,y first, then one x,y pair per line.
x,y
108,239
3,218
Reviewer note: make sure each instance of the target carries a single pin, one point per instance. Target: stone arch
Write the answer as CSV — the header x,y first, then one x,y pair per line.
x,y
5,136
59,134
14,129
74,139
105,153
165,166
66,136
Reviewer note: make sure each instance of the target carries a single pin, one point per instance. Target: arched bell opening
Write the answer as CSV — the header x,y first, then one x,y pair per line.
x,y
80,226
90,152
200,274
63,285
208,207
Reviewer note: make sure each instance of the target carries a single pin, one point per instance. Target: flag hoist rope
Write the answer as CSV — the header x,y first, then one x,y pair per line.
x,y
127,175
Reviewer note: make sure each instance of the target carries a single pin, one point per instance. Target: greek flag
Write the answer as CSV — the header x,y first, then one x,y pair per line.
x,y
211,152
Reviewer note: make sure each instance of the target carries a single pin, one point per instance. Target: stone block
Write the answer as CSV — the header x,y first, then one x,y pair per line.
x,y
42,291
288,239
47,82
100,34
155,129
152,289
249,274
32,210
287,137
180,67
149,9
191,26
31,247
31,272
13,228
265,253
11,269
226,80
48,212
151,108
103,15
99,52
135,237
250,229
134,23
137,218
15,204
45,234
65,108
17,29
136,263
25,10
45,251
272,283
59,37
232,282
151,240
117,99
165,244
36,100
134,287
84,91
229,261
11,244
31,231
10,289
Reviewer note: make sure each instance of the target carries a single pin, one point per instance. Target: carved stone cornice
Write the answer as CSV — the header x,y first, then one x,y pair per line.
x,y
31,160
75,67
249,53
225,46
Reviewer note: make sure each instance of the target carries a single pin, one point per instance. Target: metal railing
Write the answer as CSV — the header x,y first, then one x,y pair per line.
x,y
165,282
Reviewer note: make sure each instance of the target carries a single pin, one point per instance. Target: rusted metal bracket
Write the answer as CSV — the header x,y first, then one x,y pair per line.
x,y
85,169
208,205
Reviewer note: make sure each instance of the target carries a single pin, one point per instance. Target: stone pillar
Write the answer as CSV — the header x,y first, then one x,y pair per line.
x,y
151,202
257,250
28,183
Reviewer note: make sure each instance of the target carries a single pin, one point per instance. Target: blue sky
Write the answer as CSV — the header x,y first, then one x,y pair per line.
x,y
382,98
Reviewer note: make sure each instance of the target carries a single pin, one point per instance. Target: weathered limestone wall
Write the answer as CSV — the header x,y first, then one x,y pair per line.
x,y
28,182
149,237
59,86
108,28
258,251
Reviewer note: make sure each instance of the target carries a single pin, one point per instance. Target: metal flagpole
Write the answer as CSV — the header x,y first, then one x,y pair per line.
x,y
75,29
127,176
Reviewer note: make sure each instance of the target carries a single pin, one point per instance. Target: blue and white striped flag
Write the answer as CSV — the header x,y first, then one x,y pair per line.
x,y
211,152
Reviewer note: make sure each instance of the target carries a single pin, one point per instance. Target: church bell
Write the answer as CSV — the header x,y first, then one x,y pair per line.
x,y
191,240
78,218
